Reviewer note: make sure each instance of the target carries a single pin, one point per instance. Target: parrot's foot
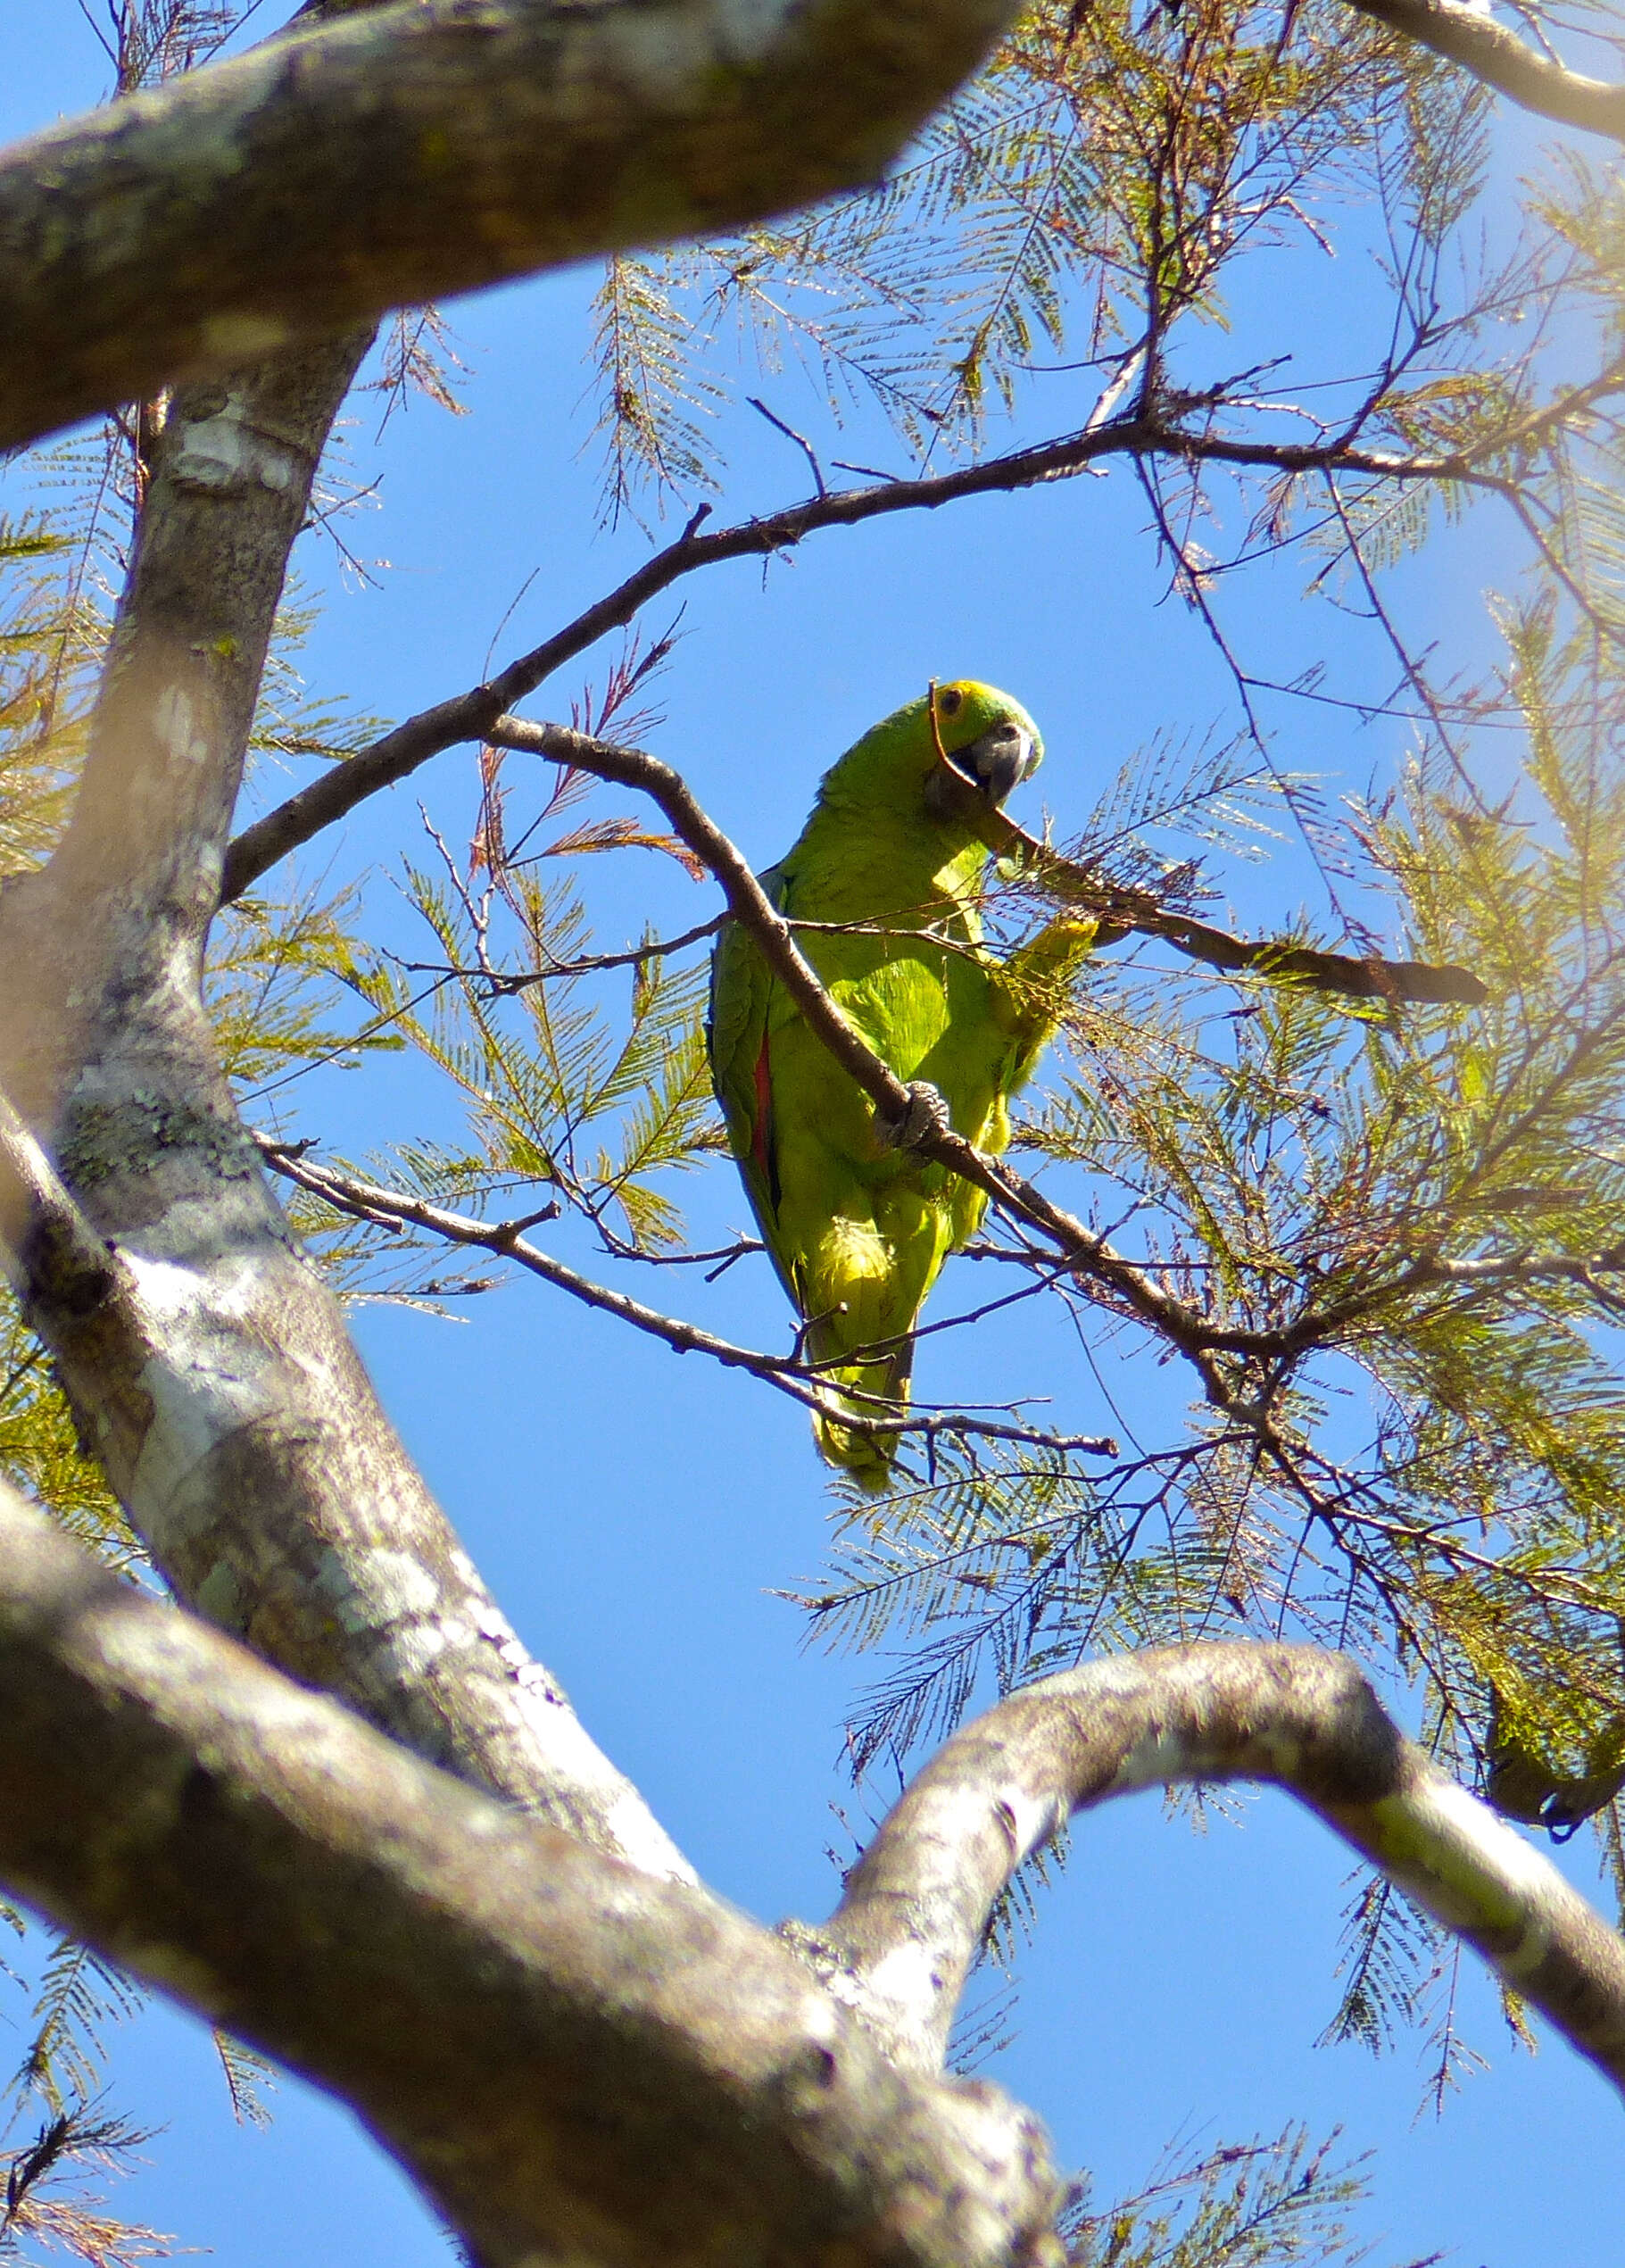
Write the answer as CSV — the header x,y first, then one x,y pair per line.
x,y
925,1116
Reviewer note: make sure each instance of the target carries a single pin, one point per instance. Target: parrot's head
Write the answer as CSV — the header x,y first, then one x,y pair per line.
x,y
983,737
936,758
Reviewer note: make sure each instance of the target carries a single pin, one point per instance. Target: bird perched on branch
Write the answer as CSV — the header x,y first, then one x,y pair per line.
x,y
858,1222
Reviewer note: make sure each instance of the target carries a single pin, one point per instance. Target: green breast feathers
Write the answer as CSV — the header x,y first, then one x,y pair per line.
x,y
858,1228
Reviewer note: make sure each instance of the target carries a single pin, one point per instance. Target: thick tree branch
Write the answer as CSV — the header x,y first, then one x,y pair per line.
x,y
917,1902
209,1364
406,152
1469,35
575,2061
327,1557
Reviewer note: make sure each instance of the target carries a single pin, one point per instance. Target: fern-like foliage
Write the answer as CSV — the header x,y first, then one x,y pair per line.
x,y
49,2207
565,1090
1252,2205
79,1996
1395,1243
1086,197
1384,1246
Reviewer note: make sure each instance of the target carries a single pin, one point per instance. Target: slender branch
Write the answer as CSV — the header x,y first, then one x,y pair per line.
x,y
1317,1325
500,983
1086,1250
900,1106
917,1902
468,716
385,1207
1124,912
576,2061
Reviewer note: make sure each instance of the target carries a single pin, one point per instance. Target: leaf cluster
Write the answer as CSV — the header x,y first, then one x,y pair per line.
x,y
1085,198
1253,2205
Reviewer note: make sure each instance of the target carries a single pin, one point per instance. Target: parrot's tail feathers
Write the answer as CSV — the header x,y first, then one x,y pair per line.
x,y
857,1449
867,1456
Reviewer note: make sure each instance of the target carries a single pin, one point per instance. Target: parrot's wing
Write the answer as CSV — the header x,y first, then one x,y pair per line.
x,y
736,1033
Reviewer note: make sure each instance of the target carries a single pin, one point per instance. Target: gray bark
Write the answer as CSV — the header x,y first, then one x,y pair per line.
x,y
917,1902
577,2062
1467,34
579,2054
210,1368
410,152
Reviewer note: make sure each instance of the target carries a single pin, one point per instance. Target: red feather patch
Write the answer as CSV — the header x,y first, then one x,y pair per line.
x,y
764,1111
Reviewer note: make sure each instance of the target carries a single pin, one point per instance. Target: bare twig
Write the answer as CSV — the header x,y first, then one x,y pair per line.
x,y
468,716
396,1208
800,440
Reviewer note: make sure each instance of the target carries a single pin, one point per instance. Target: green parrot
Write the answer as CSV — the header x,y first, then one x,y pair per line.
x,y
858,1225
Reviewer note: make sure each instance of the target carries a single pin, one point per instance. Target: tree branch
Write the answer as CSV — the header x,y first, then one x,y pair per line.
x,y
405,153
468,716
1469,35
1133,1289
375,1201
574,2060
208,1364
1128,911
917,1902
357,1585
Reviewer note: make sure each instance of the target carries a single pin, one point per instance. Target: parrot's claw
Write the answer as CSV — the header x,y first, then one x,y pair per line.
x,y
925,1116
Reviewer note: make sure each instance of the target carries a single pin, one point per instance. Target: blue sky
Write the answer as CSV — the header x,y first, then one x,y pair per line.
x,y
636,1512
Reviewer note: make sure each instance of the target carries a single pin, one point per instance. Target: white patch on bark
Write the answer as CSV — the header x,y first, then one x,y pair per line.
x,y
659,53
205,1383
1155,1758
402,1585
578,1763
748,29
175,721
1031,1819
226,452
908,1977
489,1619
351,1605
409,1655
1512,1864
640,1838
1470,1824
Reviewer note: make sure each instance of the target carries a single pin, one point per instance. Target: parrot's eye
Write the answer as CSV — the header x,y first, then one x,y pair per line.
x,y
949,701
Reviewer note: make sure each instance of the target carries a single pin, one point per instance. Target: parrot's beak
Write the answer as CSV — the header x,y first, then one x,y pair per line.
x,y
994,765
